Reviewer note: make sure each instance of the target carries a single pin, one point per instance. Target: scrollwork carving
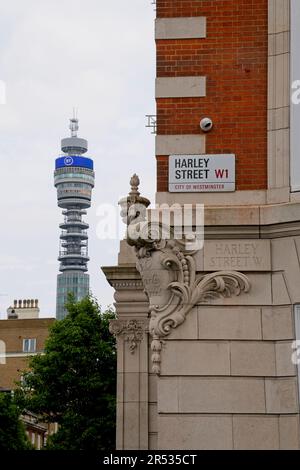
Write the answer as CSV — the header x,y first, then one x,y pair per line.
x,y
168,272
183,293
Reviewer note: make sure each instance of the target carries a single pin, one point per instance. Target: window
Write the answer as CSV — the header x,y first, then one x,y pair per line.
x,y
74,185
29,345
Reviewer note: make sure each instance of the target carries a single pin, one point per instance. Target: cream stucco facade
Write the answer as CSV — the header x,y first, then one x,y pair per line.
x,y
226,378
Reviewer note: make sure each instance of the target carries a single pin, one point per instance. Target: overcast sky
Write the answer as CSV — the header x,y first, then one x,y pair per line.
x,y
56,54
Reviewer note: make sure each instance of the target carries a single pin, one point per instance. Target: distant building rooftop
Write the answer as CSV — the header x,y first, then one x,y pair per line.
x,y
24,309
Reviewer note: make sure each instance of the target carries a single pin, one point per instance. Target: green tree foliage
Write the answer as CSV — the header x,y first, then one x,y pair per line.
x,y
74,382
12,431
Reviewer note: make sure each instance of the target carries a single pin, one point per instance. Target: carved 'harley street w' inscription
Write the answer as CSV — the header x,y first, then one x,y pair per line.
x,y
249,255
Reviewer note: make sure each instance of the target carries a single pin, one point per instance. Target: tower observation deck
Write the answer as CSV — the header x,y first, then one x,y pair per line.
x,y
74,180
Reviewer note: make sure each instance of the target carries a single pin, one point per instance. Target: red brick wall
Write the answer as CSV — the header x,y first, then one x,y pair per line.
x,y
233,57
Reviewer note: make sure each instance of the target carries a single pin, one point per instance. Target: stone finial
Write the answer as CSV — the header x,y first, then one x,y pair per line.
x,y
134,205
134,195
134,183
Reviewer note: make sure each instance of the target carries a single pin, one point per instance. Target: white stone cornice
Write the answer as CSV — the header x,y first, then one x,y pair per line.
x,y
127,285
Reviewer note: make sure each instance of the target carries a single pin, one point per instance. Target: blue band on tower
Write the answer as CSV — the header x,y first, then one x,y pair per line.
x,y
69,160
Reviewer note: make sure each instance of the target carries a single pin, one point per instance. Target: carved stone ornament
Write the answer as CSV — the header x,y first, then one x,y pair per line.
x,y
168,272
131,330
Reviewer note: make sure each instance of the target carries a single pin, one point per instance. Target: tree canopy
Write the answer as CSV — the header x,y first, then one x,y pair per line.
x,y
74,382
12,431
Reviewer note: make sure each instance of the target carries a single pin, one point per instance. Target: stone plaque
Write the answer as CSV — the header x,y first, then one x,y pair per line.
x,y
237,255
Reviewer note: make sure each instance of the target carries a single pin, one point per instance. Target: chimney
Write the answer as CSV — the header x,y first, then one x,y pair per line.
x,y
24,309
12,315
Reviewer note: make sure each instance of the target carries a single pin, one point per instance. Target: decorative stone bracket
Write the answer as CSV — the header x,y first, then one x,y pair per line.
x,y
168,272
131,330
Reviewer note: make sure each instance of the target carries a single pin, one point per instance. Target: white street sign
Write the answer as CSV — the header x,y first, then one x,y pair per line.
x,y
201,173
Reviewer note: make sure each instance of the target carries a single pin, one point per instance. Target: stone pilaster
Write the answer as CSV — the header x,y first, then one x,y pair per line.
x,y
279,90
131,331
